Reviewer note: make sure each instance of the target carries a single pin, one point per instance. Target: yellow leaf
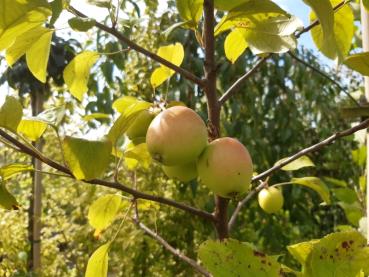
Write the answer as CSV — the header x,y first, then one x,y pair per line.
x,y
20,16
33,129
98,263
77,72
234,45
173,53
37,56
11,113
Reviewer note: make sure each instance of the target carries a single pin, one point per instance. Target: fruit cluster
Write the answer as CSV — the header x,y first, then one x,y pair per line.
x,y
178,139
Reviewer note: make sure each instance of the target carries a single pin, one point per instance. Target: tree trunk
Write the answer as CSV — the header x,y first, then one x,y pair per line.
x,y
35,208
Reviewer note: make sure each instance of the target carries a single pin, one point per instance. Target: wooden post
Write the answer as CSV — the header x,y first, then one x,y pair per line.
x,y
365,37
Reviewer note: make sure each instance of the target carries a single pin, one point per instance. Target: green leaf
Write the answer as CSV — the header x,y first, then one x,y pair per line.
x,y
52,116
343,32
87,159
125,103
226,5
190,11
342,254
315,184
243,14
11,113
93,116
19,17
301,162
234,258
8,171
98,263
103,211
352,211
366,4
56,8
324,12
359,155
335,182
7,200
359,62
135,155
173,53
32,128
235,44
125,120
272,35
77,73
37,56
80,24
301,251
345,195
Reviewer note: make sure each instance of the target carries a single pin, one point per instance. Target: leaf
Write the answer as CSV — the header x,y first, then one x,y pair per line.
x,y
19,17
7,200
226,5
315,184
56,8
242,14
37,56
341,254
345,195
52,116
366,4
352,211
103,211
80,24
11,113
272,35
32,128
190,11
93,116
343,32
8,171
359,62
324,12
234,258
301,162
87,159
139,154
77,73
359,155
335,182
121,104
98,263
235,44
301,251
173,53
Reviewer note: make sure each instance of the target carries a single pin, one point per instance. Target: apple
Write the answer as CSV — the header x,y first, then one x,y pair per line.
x,y
270,199
139,127
183,173
176,136
225,167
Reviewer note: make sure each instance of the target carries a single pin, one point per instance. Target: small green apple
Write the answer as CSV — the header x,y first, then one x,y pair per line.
x,y
270,199
176,136
183,173
139,127
225,167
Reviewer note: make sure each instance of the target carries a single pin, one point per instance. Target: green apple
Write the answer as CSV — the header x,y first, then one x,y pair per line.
x,y
225,167
139,127
270,199
183,173
177,136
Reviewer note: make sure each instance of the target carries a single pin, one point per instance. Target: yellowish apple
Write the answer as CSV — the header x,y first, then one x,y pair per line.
x,y
225,167
271,199
183,173
177,136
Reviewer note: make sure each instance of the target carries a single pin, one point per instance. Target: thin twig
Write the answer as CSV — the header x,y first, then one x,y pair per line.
x,y
234,88
320,72
185,73
115,185
171,249
363,125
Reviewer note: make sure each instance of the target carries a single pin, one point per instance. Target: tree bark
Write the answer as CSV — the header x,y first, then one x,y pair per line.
x,y
35,209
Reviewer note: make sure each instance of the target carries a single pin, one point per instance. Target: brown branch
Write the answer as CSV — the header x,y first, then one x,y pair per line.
x,y
234,88
168,247
363,125
323,74
115,185
132,45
